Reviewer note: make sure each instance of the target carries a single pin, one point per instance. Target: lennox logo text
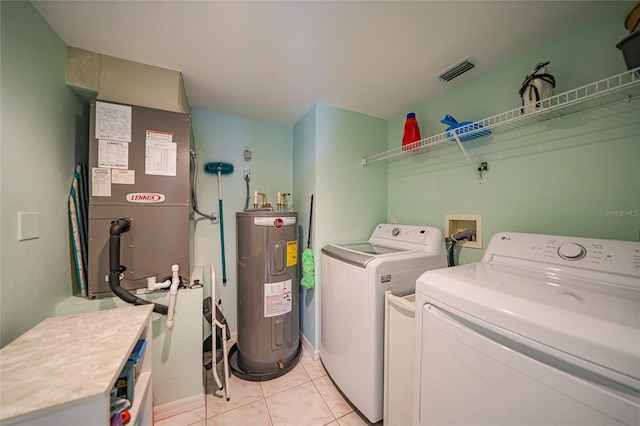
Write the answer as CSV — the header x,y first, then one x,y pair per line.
x,y
145,197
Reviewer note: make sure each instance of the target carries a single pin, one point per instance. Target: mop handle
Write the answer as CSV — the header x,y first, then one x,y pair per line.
x,y
224,266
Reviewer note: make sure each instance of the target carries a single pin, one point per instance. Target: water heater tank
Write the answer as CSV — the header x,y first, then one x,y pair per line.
x,y
268,324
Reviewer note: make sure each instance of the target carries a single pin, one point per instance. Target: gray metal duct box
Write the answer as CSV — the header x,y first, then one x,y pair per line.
x,y
146,179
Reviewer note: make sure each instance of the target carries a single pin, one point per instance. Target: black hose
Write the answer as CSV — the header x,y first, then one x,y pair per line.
x,y
451,260
120,226
246,203
468,234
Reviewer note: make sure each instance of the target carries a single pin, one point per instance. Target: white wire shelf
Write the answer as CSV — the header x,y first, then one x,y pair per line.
x,y
618,88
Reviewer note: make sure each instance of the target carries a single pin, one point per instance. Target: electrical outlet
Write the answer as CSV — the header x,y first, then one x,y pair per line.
x,y
454,223
247,173
215,220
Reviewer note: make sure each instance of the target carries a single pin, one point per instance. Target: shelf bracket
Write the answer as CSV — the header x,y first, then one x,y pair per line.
x,y
464,151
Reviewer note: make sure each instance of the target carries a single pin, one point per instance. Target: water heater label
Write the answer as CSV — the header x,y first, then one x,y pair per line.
x,y
277,298
145,197
292,253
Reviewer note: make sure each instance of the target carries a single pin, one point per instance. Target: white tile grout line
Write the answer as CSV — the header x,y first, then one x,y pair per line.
x,y
284,390
325,402
264,398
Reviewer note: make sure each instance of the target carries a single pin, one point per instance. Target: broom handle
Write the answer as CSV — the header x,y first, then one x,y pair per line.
x,y
224,266
310,216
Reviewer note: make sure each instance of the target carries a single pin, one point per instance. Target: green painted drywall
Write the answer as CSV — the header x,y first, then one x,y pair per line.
x,y
567,176
354,197
39,118
349,200
220,137
304,185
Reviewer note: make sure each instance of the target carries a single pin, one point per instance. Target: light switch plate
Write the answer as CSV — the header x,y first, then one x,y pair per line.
x,y
28,225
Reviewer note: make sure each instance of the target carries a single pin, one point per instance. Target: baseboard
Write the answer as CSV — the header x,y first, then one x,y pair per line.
x,y
313,352
180,406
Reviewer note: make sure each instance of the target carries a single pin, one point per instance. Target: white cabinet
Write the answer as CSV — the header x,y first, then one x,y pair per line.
x,y
61,372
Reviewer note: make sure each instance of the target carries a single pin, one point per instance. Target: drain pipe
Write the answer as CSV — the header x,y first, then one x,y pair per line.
x,y
118,227
173,292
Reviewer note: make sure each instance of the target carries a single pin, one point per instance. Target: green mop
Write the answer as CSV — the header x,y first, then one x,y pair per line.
x,y
220,169
308,274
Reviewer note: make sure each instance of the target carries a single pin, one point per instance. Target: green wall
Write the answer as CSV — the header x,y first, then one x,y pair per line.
x,y
564,176
349,200
304,185
354,197
223,138
39,119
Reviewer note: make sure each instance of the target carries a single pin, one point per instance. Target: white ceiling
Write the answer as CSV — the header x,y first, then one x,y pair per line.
x,y
272,60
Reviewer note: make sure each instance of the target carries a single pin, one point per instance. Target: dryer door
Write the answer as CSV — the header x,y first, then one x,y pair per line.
x,y
469,372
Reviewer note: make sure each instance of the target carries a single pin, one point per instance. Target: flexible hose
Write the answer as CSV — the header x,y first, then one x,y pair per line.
x,y
246,203
120,226
468,234
194,181
451,260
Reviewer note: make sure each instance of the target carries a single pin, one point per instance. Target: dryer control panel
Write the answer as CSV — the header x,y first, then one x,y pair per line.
x,y
611,256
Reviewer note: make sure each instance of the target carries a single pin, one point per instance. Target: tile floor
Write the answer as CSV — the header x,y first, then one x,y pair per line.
x,y
304,396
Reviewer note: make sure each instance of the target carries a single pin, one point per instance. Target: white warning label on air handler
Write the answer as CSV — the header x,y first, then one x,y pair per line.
x,y
277,298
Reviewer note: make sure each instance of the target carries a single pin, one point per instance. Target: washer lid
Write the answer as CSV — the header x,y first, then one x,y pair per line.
x,y
358,253
368,248
590,319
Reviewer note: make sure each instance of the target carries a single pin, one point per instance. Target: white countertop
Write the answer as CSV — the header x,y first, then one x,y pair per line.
x,y
67,359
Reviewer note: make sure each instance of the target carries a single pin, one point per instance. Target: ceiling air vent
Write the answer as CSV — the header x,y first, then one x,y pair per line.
x,y
456,70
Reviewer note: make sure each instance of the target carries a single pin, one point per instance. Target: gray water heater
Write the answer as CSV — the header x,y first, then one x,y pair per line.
x,y
268,343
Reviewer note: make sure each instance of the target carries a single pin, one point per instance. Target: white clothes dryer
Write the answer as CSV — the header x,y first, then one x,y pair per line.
x,y
545,330
354,279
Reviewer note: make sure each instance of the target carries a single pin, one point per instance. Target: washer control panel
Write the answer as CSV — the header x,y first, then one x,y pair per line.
x,y
622,257
407,236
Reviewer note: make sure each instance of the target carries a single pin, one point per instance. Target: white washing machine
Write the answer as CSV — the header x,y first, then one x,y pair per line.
x,y
355,277
545,330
